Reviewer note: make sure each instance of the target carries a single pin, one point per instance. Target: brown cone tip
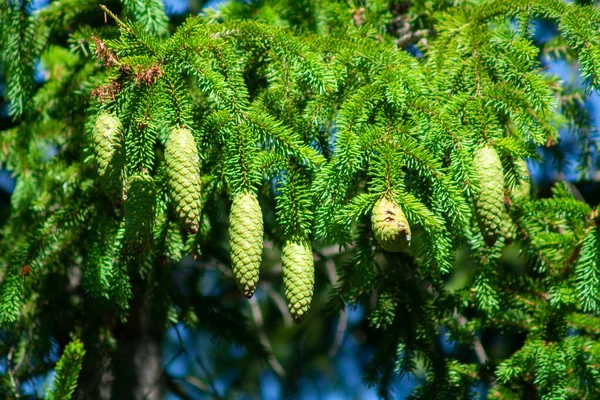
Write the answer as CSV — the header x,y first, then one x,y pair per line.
x,y
249,293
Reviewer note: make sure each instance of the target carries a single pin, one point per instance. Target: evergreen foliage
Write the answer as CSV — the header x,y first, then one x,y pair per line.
x,y
149,138
67,371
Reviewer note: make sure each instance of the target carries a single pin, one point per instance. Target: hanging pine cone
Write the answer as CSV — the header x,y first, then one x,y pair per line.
x,y
110,155
183,170
490,199
139,211
508,228
246,241
521,192
298,277
390,227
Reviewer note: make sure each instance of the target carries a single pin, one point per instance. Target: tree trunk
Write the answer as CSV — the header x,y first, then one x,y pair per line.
x,y
137,363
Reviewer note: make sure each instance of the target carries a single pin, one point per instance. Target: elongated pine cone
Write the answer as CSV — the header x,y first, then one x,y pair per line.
x,y
490,199
390,226
139,211
298,277
109,150
521,192
246,241
183,171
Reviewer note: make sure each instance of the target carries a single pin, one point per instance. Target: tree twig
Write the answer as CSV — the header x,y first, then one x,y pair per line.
x,y
213,389
176,388
279,302
411,37
164,369
197,383
258,321
477,345
339,333
114,17
209,378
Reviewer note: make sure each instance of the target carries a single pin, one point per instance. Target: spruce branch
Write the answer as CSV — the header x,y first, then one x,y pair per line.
x,y
320,123
121,24
67,372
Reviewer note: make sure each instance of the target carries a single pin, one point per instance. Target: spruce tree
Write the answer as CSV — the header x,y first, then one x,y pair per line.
x,y
324,155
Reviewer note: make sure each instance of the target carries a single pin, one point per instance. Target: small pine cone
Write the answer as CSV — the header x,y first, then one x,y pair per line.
x,y
183,170
298,277
390,227
109,150
490,200
508,228
521,193
246,241
139,211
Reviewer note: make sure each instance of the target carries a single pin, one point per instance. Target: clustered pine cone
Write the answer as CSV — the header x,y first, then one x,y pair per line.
x,y
139,210
298,277
490,199
183,171
390,226
109,150
246,241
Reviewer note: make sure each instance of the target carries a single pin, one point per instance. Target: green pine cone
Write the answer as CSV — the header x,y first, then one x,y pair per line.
x,y
298,277
508,228
246,241
490,200
521,193
390,227
109,150
183,170
139,211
